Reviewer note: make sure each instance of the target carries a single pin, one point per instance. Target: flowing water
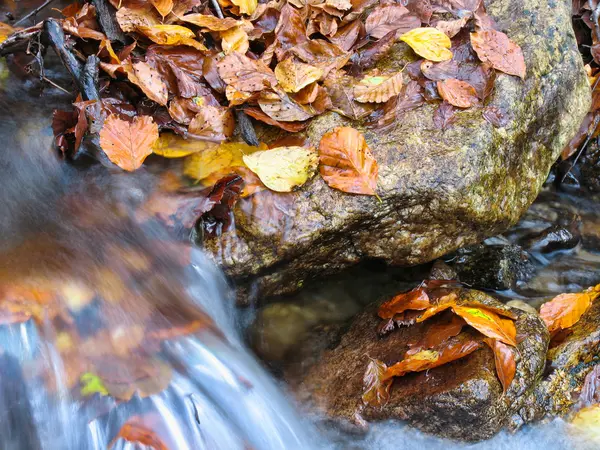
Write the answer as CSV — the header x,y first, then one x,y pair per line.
x,y
162,333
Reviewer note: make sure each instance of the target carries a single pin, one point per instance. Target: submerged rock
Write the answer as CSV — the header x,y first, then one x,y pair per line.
x,y
440,190
459,400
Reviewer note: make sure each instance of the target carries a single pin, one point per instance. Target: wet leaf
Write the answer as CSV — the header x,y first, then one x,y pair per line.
x,y
292,127
128,143
235,40
246,6
283,169
430,43
441,304
284,109
385,19
590,392
212,23
217,159
293,75
496,48
415,299
5,31
164,7
444,116
131,18
346,36
376,391
346,163
437,334
497,116
291,29
378,89
321,54
149,81
171,145
506,365
171,35
92,384
410,98
138,433
216,123
458,93
565,310
245,74
489,323
341,90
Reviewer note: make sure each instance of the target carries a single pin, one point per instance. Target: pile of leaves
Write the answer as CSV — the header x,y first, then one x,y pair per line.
x,y
457,329
178,77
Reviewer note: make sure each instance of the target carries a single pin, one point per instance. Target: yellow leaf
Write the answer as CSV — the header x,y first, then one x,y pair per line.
x,y
172,145
234,40
212,23
171,35
284,168
246,6
129,19
378,89
293,75
430,43
5,31
202,165
586,424
164,7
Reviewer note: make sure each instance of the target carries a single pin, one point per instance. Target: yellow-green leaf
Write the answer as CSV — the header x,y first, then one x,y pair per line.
x,y
284,168
92,384
429,42
172,145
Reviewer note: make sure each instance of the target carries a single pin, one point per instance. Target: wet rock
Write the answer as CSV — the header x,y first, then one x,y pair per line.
x,y
440,190
460,400
590,167
442,271
493,267
556,237
568,364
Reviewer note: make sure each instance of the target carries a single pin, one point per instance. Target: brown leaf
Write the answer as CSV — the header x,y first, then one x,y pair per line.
x,y
164,7
497,116
565,310
385,19
440,305
171,35
506,365
444,116
341,90
293,75
346,163
496,48
452,27
376,391
290,30
346,36
292,127
283,109
489,323
458,93
440,71
212,23
148,80
131,18
415,299
245,74
136,431
322,54
213,122
437,334
410,98
378,89
590,392
370,54
128,143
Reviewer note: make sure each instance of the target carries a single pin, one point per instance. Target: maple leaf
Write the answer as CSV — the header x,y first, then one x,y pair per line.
x,y
346,163
565,310
293,75
284,168
378,89
385,19
488,323
504,358
376,391
415,299
430,43
496,48
128,143
458,93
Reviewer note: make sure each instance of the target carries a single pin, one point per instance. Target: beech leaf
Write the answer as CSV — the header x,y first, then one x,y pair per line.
x,y
376,390
496,48
245,74
293,75
211,23
430,43
565,310
415,299
246,6
458,93
284,168
506,365
128,143
164,7
346,163
171,145
149,81
171,35
489,323
385,19
378,89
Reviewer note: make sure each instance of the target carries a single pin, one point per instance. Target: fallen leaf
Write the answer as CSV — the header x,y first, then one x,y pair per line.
x,y
444,116
385,19
164,7
452,27
321,54
283,109
497,116
410,98
283,169
440,305
246,6
437,334
149,81
440,71
378,89
138,433
92,384
341,91
5,31
171,145
565,310
245,74
458,93
376,391
211,23
415,299
235,40
506,365
290,30
346,163
217,159
488,323
131,18
496,48
346,36
223,196
292,127
215,123
430,43
590,392
171,35
128,143
293,75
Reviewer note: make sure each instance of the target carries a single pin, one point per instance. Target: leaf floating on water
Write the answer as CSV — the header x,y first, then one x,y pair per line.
x,y
565,310
506,365
378,89
127,144
346,163
496,48
376,390
282,169
430,43
458,93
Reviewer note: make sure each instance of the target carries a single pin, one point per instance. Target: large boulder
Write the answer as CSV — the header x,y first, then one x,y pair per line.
x,y
440,190
459,400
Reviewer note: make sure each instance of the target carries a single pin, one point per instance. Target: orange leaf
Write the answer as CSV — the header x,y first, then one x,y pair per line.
x,y
346,163
458,93
212,23
489,323
164,7
136,431
565,310
504,357
428,359
496,48
437,334
149,81
415,299
448,301
128,143
376,390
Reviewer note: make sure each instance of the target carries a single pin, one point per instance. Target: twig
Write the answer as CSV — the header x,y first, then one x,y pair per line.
x,y
18,38
215,4
34,12
49,81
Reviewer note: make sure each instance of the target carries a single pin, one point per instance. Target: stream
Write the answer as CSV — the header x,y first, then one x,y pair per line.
x,y
218,386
